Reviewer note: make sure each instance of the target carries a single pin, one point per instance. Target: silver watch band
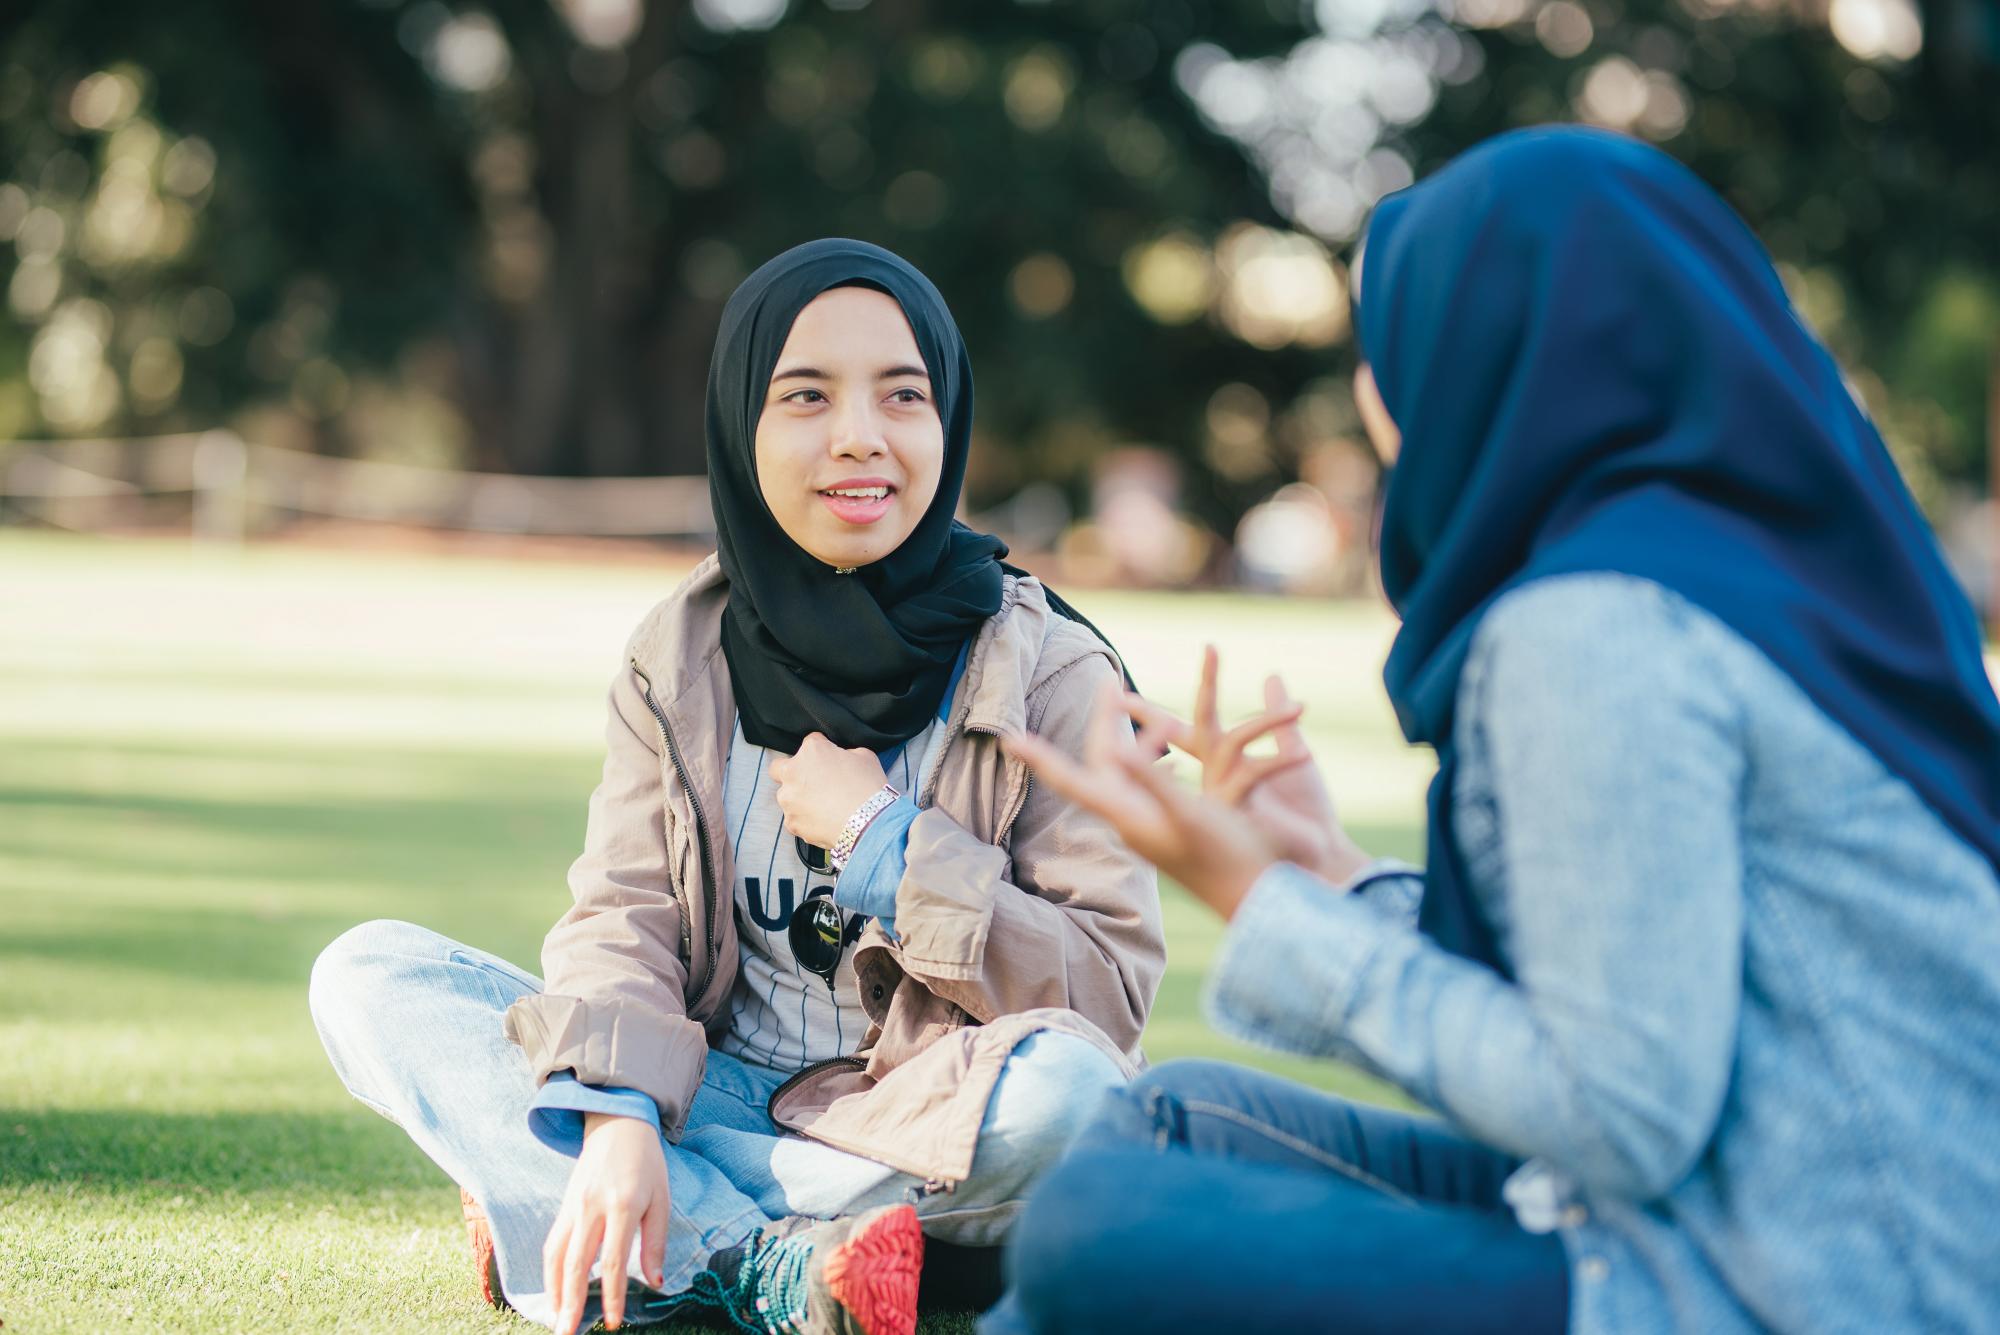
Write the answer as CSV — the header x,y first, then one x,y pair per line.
x,y
850,834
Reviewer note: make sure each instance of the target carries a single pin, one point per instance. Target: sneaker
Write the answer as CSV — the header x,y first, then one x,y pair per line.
x,y
855,1276
480,1234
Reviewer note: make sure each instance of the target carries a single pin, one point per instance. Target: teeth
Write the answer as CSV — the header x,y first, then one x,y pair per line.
x,y
859,493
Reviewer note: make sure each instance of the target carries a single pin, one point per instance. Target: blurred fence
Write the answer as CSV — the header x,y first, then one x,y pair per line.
x,y
228,489
224,489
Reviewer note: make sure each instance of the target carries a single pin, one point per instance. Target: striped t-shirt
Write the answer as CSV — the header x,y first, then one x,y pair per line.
x,y
781,1015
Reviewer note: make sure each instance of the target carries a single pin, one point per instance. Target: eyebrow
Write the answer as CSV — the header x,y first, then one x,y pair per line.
x,y
814,373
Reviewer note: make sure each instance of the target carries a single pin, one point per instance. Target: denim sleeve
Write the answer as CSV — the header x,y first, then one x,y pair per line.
x,y
868,882
1608,760
1392,887
556,1115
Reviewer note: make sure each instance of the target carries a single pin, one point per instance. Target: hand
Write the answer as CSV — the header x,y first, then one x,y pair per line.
x,y
1199,841
1284,794
619,1186
821,786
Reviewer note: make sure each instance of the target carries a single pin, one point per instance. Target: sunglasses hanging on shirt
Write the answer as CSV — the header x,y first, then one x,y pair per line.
x,y
818,935
817,859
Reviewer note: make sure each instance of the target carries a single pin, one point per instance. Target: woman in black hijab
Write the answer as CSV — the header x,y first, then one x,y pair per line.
x,y
860,653
829,951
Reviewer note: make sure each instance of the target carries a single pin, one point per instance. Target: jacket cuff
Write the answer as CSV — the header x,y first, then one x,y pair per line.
x,y
1292,926
660,1056
1392,887
556,1115
868,882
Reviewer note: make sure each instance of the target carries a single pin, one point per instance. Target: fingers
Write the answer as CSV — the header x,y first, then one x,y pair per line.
x,y
1057,771
1291,741
1207,723
1108,732
583,1243
1156,726
1176,803
1100,789
1152,740
653,1240
554,1248
618,1229
1166,726
1228,749
1238,783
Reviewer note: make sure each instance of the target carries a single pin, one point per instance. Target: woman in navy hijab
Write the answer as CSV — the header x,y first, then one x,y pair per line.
x,y
1701,984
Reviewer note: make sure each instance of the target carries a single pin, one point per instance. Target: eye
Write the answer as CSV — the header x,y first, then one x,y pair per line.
x,y
805,396
906,395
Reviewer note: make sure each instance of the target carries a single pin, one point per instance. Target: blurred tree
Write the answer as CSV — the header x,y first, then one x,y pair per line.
x,y
536,209
500,234
1855,136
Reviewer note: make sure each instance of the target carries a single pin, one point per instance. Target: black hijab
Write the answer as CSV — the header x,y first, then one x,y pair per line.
x,y
863,658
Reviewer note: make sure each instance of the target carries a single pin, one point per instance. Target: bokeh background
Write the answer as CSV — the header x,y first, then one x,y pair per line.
x,y
350,375
496,238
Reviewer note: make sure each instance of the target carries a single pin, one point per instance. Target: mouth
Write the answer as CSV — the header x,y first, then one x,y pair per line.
x,y
860,501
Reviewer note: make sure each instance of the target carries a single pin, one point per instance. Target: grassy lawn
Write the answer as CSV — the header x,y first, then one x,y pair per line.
x,y
211,763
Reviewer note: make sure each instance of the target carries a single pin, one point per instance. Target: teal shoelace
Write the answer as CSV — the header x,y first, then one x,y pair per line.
x,y
768,1296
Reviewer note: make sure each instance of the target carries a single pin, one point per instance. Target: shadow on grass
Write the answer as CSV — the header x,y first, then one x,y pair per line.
x,y
327,1154
469,813
202,946
206,877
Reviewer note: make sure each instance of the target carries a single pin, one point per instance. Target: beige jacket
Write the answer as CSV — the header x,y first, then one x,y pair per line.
x,y
1017,911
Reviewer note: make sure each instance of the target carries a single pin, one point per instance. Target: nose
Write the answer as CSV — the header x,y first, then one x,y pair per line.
x,y
857,430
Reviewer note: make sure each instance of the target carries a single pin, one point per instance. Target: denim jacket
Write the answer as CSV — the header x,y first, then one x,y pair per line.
x,y
1752,1052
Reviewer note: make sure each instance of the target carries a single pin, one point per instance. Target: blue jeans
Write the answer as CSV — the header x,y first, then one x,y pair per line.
x,y
412,1022
1211,1197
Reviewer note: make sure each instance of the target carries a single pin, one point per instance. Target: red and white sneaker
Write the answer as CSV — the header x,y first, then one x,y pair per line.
x,y
480,1234
854,1276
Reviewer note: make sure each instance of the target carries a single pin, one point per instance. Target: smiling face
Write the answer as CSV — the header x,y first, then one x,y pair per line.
x,y
849,444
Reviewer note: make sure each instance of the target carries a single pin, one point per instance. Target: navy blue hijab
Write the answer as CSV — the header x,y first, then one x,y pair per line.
x,y
1595,368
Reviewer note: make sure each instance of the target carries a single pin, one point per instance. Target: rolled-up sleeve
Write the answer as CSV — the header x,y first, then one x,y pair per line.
x,y
557,1112
868,882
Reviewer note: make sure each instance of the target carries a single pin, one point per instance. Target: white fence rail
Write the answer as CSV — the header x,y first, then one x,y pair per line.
x,y
235,488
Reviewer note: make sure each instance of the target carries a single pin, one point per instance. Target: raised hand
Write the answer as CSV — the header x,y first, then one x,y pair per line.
x,y
1201,842
1283,794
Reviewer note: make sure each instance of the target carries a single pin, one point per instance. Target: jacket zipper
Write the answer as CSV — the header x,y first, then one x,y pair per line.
x,y
1013,812
931,1186
700,830
771,1104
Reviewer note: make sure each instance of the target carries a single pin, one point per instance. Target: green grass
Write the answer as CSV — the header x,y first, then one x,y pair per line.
x,y
211,763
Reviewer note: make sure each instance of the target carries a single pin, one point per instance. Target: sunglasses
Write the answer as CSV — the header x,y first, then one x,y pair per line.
x,y
818,932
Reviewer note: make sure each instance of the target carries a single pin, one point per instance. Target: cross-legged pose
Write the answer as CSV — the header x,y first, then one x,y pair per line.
x,y
835,971
1702,977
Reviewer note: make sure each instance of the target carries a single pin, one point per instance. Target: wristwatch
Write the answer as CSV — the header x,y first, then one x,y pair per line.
x,y
850,833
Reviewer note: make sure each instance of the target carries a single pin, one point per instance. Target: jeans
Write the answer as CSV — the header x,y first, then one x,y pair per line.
x,y
412,1022
1210,1197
